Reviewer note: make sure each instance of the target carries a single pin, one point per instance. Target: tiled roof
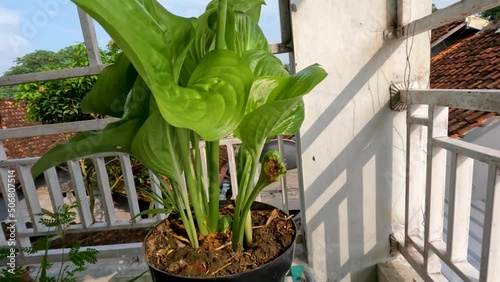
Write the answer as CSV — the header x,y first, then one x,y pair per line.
x,y
470,63
440,31
11,116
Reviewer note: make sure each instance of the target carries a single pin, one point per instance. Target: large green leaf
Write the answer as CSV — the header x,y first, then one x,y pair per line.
x,y
300,83
109,93
203,41
264,63
250,7
213,103
215,100
176,39
116,137
157,147
140,36
245,35
268,89
268,120
262,88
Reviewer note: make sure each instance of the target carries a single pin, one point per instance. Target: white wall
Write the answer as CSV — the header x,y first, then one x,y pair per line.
x,y
352,144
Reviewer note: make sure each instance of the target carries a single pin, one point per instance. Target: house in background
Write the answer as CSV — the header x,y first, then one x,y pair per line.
x,y
466,55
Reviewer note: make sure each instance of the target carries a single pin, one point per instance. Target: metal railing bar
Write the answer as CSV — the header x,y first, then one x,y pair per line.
x,y
52,129
155,187
84,212
444,16
460,194
278,48
50,75
463,269
90,38
128,180
30,196
54,188
477,99
435,186
104,190
477,152
491,245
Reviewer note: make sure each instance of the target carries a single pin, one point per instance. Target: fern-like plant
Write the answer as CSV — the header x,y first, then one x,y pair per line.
x,y
57,223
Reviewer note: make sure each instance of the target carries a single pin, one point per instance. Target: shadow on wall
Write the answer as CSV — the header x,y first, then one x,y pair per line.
x,y
362,207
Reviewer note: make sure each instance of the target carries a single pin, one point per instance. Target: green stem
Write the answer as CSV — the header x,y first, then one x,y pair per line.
x,y
248,228
187,219
195,141
221,25
241,224
192,183
244,212
213,188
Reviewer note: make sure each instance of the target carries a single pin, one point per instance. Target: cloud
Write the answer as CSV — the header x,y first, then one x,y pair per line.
x,y
12,45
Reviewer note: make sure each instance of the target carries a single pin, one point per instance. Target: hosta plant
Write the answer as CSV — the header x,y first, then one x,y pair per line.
x,y
182,80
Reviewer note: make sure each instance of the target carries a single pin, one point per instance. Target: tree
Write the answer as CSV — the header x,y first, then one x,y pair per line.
x,y
59,100
434,8
491,14
32,62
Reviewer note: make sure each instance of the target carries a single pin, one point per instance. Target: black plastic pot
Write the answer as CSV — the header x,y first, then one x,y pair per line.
x,y
274,271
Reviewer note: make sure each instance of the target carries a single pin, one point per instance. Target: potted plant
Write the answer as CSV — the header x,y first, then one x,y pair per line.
x,y
180,81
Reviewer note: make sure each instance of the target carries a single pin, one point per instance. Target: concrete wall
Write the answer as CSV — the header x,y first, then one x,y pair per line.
x,y
352,145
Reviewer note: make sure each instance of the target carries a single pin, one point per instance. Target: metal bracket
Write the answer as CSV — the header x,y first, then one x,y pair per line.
x,y
397,102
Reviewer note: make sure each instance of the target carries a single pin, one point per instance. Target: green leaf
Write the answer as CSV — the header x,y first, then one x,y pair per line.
x,y
261,90
267,121
109,93
245,35
251,7
215,100
301,83
139,34
156,146
116,137
203,41
264,63
152,212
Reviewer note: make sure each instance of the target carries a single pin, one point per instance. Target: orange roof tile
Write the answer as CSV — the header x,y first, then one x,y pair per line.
x,y
440,31
470,63
11,116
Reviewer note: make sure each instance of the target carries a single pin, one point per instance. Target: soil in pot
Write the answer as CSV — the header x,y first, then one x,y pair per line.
x,y
167,248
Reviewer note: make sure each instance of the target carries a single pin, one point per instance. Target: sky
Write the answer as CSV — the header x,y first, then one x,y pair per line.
x,y
29,25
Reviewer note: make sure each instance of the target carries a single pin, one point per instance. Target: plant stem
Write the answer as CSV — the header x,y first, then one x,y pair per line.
x,y
195,141
248,228
221,25
192,183
187,219
213,188
243,224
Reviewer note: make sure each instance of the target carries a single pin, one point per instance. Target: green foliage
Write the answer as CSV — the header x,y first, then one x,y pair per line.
x,y
434,8
491,14
57,101
57,221
198,78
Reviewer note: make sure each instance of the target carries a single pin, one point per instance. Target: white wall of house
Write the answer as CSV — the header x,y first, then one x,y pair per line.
x,y
352,145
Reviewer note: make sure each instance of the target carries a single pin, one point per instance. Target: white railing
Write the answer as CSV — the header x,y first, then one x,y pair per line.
x,y
29,204
428,144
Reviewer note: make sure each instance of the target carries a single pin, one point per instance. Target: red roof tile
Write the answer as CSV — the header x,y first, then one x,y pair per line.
x,y
11,116
470,63
439,32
